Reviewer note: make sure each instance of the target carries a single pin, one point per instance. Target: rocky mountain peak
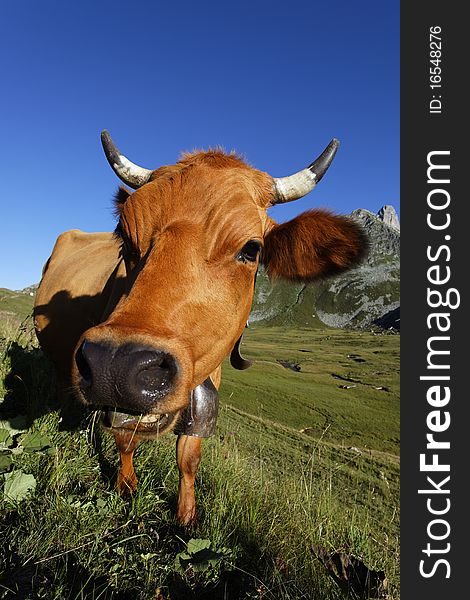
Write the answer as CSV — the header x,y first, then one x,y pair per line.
x,y
389,216
384,239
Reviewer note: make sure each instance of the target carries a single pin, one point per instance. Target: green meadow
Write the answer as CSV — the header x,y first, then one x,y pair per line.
x,y
304,457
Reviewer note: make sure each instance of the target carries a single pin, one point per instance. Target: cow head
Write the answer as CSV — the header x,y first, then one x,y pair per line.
x,y
192,237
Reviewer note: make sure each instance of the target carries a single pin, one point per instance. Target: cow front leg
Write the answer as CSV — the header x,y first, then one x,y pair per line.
x,y
126,480
188,457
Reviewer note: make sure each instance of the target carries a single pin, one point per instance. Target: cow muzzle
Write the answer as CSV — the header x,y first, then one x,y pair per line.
x,y
131,378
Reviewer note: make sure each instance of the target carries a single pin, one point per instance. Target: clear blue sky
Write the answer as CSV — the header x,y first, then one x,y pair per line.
x,y
274,80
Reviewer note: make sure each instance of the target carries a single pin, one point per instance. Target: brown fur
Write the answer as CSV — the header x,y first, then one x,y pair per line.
x,y
188,457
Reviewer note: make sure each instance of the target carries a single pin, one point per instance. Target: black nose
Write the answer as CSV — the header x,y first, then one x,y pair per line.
x,y
130,377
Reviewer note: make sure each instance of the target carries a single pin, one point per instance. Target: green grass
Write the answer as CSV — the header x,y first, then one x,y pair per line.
x,y
15,303
296,461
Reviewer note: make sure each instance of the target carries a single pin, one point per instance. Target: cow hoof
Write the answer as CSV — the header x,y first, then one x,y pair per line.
x,y
126,486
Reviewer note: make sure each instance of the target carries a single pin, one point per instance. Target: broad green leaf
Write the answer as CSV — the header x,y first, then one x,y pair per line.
x,y
5,438
184,556
200,556
195,545
15,425
18,485
5,462
35,442
205,558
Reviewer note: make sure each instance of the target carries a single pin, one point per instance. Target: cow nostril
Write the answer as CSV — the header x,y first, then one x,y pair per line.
x,y
167,364
152,379
83,367
155,374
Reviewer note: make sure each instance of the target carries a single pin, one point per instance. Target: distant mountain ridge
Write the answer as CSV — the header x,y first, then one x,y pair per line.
x,y
30,290
360,298
384,238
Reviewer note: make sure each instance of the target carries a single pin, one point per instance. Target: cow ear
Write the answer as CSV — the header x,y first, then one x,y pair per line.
x,y
120,198
314,245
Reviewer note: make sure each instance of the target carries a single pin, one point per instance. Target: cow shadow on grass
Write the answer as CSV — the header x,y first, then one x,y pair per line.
x,y
31,391
34,578
29,385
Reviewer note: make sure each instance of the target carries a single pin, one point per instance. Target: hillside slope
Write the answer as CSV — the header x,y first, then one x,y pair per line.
x,y
19,304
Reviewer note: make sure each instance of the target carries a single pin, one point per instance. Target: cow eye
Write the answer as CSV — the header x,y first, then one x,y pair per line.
x,y
249,252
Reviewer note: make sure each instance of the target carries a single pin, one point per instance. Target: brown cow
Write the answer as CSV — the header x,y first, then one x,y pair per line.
x,y
138,322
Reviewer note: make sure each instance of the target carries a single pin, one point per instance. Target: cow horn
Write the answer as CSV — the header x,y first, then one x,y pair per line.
x,y
133,175
299,184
